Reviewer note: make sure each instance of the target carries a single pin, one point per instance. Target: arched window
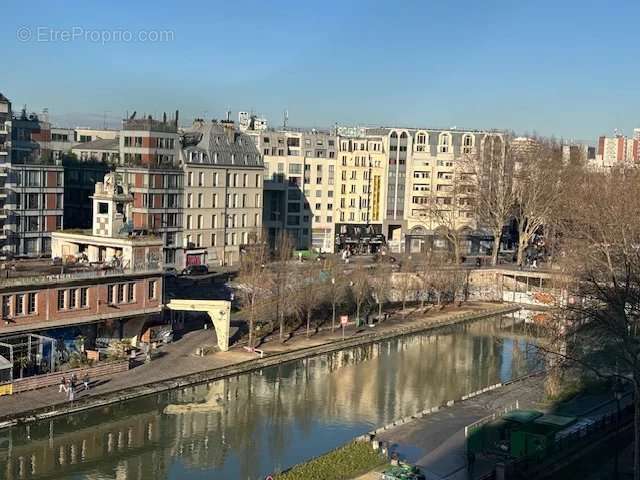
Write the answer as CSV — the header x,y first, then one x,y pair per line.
x,y
421,142
444,142
468,142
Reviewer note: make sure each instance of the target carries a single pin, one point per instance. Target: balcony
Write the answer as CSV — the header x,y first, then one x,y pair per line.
x,y
90,273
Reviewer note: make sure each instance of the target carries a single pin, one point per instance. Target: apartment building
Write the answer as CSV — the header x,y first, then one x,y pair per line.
x,y
148,162
423,167
360,202
300,185
5,161
618,150
223,192
112,281
62,140
83,135
34,188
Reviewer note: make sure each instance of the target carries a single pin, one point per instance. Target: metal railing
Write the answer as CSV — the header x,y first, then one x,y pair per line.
x,y
40,279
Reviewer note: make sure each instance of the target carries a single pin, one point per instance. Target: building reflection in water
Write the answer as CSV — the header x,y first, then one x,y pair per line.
x,y
247,426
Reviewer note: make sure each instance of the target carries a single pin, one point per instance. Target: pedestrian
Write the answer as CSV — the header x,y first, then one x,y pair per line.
x,y
74,381
72,394
85,381
63,385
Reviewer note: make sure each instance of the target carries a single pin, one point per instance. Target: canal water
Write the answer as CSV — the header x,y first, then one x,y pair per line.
x,y
248,426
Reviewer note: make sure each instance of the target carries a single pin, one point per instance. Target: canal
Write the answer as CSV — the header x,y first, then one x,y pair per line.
x,y
248,426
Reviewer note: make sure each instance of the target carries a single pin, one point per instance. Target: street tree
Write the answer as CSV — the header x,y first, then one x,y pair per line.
x,y
381,284
488,180
336,286
537,189
360,288
311,291
283,281
252,284
598,329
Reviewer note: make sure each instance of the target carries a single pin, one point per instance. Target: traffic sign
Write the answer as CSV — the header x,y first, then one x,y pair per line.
x,y
344,319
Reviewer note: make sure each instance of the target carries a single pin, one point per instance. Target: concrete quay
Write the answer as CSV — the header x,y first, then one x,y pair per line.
x,y
178,367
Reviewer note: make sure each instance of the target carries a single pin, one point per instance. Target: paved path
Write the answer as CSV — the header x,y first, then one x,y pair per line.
x,y
436,443
178,359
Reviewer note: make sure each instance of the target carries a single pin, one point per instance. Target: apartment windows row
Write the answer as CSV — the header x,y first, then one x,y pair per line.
x,y
38,223
159,200
329,205
39,178
38,201
231,239
232,221
158,181
19,305
318,219
73,298
121,293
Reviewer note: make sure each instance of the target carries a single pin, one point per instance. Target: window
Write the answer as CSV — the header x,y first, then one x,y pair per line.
x,y
19,304
214,221
214,201
444,142
120,293
131,288
213,239
201,179
200,221
72,298
245,180
190,179
151,291
189,226
199,240
84,297
215,179
295,168
61,304
200,196
257,220
6,306
109,295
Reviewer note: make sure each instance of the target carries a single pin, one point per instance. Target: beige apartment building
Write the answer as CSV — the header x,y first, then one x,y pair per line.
x,y
359,209
424,166
223,193
300,186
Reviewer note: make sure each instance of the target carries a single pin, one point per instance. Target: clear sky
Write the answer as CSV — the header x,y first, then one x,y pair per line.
x,y
565,67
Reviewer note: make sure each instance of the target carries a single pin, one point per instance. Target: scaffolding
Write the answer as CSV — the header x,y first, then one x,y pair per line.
x,y
29,352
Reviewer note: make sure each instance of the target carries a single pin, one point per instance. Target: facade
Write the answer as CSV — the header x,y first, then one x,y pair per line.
x,y
82,135
148,164
111,285
300,186
62,139
5,162
424,168
100,150
223,173
618,150
34,188
360,203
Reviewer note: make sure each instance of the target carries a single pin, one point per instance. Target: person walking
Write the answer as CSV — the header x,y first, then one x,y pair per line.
x,y
85,381
63,385
73,381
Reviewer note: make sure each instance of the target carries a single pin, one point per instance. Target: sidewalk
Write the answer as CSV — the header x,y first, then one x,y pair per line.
x,y
177,360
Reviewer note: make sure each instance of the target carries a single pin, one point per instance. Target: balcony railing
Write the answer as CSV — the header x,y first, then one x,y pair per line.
x,y
33,278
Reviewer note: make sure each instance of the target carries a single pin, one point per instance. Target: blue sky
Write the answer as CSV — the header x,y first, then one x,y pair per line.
x,y
568,68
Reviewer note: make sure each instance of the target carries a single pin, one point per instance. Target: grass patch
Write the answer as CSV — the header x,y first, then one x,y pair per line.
x,y
349,461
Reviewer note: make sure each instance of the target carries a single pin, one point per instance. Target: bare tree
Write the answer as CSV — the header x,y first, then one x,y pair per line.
x,y
380,284
252,285
598,328
283,279
336,286
361,288
311,291
404,284
489,190
537,189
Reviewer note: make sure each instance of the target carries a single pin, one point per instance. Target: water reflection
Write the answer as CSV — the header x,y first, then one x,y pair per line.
x,y
247,426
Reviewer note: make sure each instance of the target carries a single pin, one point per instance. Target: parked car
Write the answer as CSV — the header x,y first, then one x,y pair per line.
x,y
196,270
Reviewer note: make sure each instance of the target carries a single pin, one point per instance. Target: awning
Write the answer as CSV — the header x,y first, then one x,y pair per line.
x,y
196,251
